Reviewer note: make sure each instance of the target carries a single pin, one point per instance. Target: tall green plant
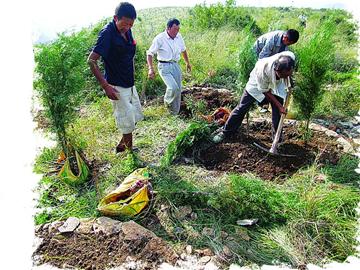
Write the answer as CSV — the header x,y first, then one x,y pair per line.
x,y
60,81
314,60
247,57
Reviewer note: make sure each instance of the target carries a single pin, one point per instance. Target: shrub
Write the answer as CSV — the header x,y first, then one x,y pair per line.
x,y
218,15
247,57
60,82
314,59
184,140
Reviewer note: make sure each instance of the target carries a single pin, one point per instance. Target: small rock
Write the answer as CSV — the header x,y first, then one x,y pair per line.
x,y
183,256
107,226
223,235
204,252
208,232
46,226
227,252
182,212
347,147
317,127
240,155
53,227
211,266
86,226
205,259
134,231
331,133
38,228
189,249
193,216
70,225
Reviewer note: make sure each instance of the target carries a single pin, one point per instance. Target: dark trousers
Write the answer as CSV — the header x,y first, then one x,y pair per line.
x,y
238,114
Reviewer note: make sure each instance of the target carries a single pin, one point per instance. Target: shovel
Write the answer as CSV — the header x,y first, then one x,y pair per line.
x,y
273,149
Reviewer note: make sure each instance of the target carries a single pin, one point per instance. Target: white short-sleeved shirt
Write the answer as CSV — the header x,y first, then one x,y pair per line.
x,y
166,48
263,78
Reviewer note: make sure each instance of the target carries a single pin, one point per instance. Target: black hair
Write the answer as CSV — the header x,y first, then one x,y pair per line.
x,y
284,63
125,9
172,21
293,35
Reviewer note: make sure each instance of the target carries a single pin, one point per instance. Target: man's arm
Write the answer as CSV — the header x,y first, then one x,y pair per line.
x,y
267,49
149,60
109,90
274,101
186,58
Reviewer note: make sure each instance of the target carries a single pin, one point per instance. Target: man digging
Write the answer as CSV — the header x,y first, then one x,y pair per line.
x,y
272,43
265,85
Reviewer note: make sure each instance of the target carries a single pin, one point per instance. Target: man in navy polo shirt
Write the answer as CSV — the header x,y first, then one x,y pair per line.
x,y
116,46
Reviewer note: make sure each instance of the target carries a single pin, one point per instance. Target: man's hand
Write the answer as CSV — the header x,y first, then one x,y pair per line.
x,y
110,91
151,73
282,110
188,67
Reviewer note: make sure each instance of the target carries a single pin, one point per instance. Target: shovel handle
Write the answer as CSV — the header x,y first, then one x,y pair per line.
x,y
273,148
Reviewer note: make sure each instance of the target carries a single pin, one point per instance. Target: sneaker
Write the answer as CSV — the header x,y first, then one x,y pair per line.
x,y
218,138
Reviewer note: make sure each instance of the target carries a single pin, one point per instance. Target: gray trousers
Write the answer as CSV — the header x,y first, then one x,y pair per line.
x,y
171,75
238,114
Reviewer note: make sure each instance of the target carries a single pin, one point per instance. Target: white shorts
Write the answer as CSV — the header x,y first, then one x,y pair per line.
x,y
127,109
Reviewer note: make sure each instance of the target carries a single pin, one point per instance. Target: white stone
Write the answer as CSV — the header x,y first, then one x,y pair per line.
x,y
346,145
70,225
107,225
331,133
205,259
189,249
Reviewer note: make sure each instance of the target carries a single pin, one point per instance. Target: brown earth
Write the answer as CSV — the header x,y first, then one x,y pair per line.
x,y
213,98
100,250
239,154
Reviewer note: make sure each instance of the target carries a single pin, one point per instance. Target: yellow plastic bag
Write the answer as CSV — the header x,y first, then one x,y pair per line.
x,y
69,177
130,198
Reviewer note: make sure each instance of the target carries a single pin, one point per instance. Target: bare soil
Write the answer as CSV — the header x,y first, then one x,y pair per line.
x,y
214,98
239,154
100,251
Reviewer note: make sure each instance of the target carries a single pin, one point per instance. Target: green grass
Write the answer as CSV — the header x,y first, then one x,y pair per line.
x,y
310,218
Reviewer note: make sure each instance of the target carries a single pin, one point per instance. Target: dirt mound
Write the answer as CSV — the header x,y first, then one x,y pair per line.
x,y
212,98
94,248
239,154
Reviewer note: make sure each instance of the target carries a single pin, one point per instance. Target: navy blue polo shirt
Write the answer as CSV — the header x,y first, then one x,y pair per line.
x,y
117,55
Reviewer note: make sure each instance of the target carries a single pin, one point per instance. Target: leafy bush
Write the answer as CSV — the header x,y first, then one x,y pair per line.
x,y
247,57
341,100
184,140
218,15
60,81
314,59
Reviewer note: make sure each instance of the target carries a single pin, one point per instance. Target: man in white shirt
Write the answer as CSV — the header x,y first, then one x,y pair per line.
x,y
272,43
266,84
168,46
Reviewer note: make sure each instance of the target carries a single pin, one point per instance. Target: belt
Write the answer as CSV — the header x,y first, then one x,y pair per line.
x,y
160,61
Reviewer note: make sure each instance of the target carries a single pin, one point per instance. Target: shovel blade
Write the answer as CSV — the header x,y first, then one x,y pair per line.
x,y
274,153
